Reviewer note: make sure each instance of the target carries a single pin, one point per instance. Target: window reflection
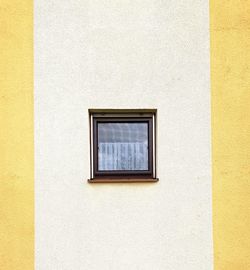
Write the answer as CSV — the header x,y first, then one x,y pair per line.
x,y
122,146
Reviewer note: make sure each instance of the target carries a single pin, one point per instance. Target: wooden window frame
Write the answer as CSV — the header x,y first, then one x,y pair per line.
x,y
127,116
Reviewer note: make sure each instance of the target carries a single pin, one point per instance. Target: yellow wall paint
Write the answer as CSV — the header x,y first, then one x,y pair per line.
x,y
16,136
230,78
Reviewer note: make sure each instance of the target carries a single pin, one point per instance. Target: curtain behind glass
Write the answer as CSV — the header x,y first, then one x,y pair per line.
x,y
122,146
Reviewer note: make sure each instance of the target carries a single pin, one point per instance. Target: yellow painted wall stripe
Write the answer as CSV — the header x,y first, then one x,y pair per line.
x,y
230,79
16,136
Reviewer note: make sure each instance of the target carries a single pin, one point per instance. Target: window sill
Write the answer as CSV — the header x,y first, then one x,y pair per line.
x,y
123,180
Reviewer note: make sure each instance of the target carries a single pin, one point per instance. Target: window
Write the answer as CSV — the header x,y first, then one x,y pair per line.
x,y
122,145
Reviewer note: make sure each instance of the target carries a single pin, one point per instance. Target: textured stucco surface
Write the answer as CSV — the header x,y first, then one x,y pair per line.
x,y
16,136
122,54
230,78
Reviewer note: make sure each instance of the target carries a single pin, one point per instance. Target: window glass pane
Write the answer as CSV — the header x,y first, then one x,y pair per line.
x,y
122,146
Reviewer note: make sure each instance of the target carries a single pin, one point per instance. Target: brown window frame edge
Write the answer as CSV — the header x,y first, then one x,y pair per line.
x,y
123,180
150,176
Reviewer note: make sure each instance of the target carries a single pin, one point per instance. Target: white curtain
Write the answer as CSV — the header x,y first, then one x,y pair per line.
x,y
122,156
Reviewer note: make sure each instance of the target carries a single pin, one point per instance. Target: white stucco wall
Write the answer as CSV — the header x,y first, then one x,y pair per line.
x,y
122,54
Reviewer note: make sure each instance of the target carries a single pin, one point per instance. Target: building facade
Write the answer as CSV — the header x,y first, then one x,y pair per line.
x,y
122,55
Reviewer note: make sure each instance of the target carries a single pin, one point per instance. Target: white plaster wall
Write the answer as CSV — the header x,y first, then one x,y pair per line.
x,y
122,54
